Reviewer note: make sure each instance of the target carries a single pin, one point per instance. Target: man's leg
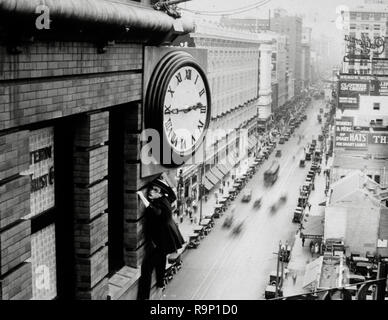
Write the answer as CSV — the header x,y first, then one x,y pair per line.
x,y
160,267
145,278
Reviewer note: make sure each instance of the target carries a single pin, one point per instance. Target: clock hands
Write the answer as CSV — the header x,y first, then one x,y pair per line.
x,y
199,105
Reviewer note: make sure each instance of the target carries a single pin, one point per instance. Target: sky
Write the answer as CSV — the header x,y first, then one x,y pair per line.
x,y
320,15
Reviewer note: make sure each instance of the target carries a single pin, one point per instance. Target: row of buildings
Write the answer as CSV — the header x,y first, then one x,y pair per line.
x,y
283,64
353,221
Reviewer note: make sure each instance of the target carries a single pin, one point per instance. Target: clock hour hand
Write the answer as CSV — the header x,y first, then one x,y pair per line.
x,y
188,109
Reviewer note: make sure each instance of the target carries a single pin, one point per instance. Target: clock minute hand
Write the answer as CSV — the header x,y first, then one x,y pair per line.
x,y
194,107
185,110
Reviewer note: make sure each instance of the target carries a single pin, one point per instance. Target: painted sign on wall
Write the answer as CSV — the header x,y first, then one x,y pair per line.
x,y
346,137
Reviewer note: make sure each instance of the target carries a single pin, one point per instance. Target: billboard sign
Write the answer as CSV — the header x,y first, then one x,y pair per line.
x,y
378,138
346,137
349,92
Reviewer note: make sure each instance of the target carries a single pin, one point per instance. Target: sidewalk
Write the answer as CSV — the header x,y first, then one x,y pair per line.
x,y
301,255
186,227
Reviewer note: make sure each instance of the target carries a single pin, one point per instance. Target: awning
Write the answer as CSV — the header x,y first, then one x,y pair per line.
x,y
217,173
223,169
313,227
207,184
228,165
212,178
216,170
252,142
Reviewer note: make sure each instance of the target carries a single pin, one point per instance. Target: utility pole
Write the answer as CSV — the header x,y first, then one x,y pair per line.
x,y
382,273
277,270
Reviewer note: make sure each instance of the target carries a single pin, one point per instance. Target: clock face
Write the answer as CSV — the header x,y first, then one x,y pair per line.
x,y
185,109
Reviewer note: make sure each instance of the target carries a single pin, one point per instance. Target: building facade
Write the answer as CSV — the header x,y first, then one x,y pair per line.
x,y
369,23
71,116
292,27
306,57
239,72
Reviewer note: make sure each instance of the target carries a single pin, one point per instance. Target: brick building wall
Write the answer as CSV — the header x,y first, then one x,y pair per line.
x,y
42,86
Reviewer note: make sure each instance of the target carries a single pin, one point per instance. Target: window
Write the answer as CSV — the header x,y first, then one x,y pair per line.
x,y
379,122
351,62
376,106
376,27
377,178
42,213
365,27
352,26
365,16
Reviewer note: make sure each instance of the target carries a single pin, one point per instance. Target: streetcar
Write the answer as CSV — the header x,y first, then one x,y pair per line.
x,y
271,175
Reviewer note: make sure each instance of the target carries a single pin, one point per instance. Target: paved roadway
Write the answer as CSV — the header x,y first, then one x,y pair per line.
x,y
229,267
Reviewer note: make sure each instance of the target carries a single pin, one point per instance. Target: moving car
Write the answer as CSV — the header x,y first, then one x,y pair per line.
x,y
271,175
247,195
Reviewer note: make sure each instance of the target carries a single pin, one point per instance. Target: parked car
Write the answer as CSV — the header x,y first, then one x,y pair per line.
x,y
247,196
278,153
281,140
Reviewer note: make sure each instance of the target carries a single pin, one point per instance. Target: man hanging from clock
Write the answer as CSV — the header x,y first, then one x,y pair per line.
x,y
161,232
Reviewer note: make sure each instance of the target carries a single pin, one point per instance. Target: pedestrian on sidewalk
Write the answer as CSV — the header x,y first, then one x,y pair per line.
x,y
312,248
303,240
294,277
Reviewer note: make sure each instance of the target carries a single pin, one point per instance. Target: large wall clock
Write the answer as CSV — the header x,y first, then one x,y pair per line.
x,y
178,105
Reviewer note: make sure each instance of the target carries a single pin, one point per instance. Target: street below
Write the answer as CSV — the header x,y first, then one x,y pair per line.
x,y
237,267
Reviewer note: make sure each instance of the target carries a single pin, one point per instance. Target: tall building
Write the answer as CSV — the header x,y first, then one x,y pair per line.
x,y
306,57
367,25
292,27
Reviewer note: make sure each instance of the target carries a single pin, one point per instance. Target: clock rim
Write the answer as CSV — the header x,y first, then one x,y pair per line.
x,y
157,90
170,78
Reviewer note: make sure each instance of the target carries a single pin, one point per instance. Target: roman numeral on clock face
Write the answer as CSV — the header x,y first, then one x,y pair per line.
x,y
183,143
188,74
193,139
171,91
168,125
203,109
200,124
167,110
179,78
174,139
201,92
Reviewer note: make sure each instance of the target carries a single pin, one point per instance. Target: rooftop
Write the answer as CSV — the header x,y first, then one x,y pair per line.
x,y
358,187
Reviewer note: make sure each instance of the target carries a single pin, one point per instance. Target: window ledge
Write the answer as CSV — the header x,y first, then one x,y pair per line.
x,y
121,282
